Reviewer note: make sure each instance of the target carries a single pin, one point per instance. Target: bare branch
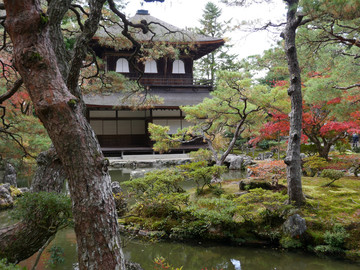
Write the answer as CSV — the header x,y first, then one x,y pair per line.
x,y
12,91
347,87
78,17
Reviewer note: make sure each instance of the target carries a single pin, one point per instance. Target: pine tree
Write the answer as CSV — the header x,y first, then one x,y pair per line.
x,y
219,59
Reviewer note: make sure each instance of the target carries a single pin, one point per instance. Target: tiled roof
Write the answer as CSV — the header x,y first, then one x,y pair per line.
x,y
159,31
171,99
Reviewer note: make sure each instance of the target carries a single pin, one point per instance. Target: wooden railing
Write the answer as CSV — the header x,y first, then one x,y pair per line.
x,y
147,80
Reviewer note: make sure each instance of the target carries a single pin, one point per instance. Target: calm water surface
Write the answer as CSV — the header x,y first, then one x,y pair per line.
x,y
198,256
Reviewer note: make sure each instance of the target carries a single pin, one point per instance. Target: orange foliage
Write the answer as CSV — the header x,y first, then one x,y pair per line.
x,y
269,169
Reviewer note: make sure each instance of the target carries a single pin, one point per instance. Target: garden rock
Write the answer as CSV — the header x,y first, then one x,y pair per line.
x,y
237,162
137,174
133,266
144,164
295,225
268,155
116,188
6,201
10,175
247,161
24,189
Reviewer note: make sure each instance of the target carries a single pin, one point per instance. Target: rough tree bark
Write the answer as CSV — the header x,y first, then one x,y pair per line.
x,y
293,160
50,175
89,182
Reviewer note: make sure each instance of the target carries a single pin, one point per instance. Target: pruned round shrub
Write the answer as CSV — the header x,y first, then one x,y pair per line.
x,y
333,175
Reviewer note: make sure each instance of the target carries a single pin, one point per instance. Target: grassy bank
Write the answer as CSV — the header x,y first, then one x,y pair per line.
x,y
252,217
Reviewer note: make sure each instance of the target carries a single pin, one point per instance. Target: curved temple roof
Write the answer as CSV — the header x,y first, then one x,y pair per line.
x,y
161,31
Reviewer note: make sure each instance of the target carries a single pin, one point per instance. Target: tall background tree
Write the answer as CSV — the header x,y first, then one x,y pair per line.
x,y
222,58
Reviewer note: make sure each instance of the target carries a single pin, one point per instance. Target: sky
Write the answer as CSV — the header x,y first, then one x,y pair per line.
x,y
187,13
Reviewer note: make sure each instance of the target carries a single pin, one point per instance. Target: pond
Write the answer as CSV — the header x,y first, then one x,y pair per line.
x,y
198,256
191,256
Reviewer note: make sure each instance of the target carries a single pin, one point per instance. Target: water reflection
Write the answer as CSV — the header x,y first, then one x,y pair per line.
x,y
198,256
201,256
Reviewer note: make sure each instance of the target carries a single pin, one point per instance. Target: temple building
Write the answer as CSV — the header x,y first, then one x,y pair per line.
x,y
118,126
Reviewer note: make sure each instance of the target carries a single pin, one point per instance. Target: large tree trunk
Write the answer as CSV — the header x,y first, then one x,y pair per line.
x,y
293,160
89,182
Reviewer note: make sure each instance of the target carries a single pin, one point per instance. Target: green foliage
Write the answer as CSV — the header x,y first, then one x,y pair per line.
x,y
164,141
260,204
217,191
4,265
334,240
308,149
290,243
46,209
15,192
159,193
264,144
191,229
207,210
155,183
342,146
333,175
314,164
229,110
220,59
69,42
202,174
162,206
201,155
356,149
56,256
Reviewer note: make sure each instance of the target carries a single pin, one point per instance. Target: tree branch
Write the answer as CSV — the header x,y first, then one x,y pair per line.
x,y
12,91
347,87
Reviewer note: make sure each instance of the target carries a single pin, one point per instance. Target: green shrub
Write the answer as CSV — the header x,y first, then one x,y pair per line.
x,y
201,173
334,240
342,146
56,256
290,243
217,191
261,205
214,211
333,175
47,209
309,149
155,183
314,164
201,155
161,206
4,265
264,144
190,229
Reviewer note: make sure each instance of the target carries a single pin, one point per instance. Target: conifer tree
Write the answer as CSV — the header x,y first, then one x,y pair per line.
x,y
221,58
